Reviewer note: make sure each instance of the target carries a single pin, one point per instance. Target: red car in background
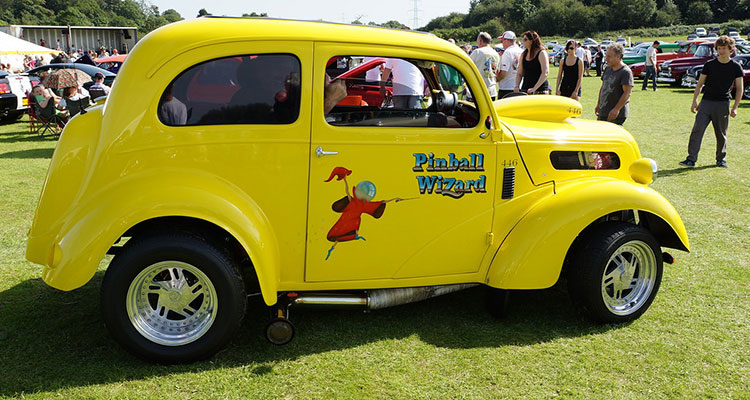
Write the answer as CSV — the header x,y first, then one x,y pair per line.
x,y
687,49
672,71
357,88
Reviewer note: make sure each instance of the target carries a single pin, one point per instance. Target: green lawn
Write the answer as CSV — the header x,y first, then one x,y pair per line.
x,y
694,342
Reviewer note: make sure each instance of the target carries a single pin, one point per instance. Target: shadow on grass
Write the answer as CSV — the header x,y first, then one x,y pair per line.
x,y
31,153
683,170
53,339
20,133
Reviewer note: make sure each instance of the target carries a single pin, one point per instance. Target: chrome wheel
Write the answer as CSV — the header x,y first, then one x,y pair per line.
x,y
629,277
615,272
747,92
171,303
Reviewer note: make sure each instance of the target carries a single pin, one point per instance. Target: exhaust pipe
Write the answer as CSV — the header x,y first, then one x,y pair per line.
x,y
376,299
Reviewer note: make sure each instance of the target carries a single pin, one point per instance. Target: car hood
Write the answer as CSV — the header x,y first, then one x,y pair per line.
x,y
537,141
685,61
543,124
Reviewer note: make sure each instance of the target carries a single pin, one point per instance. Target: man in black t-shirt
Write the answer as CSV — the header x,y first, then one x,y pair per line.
x,y
717,76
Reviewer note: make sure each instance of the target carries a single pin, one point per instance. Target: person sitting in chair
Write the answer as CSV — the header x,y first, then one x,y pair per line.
x,y
47,102
74,100
99,89
43,96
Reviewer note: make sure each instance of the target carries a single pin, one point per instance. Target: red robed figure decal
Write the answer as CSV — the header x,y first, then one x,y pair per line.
x,y
351,207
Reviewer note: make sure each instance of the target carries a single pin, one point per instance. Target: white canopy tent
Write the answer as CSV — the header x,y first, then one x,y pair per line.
x,y
13,49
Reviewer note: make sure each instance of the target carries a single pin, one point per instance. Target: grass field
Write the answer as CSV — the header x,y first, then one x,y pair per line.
x,y
694,342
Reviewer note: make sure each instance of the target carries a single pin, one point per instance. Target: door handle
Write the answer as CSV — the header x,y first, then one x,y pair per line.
x,y
320,152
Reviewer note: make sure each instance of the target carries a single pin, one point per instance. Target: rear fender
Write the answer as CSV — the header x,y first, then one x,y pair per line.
x,y
532,254
109,214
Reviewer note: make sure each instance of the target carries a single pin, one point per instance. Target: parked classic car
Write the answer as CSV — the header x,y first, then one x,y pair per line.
x,y
556,54
14,89
89,70
693,74
259,184
639,52
686,49
672,71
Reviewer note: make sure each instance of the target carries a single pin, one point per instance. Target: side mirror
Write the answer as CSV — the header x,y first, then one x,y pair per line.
x,y
488,123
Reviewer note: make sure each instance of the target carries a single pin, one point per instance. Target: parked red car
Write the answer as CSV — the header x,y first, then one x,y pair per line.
x,y
687,49
672,71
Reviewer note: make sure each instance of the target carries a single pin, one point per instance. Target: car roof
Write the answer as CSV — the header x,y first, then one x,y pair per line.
x,y
190,34
88,69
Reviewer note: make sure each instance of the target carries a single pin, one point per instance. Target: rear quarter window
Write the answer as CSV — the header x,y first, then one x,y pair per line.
x,y
245,89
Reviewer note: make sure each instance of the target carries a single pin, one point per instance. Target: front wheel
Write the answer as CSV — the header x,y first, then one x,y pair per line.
x,y
172,298
615,272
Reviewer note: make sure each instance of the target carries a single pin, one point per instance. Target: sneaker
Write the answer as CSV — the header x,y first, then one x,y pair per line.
x,y
687,163
643,88
722,164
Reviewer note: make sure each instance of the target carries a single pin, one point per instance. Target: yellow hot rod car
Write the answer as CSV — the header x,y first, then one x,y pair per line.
x,y
257,156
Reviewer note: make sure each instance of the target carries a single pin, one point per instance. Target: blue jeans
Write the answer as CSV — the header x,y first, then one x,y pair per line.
x,y
650,72
407,102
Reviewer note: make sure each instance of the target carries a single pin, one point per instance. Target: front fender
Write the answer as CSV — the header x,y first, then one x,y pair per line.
x,y
78,249
532,254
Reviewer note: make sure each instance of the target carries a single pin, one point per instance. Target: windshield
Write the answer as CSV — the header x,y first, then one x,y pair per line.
x,y
704,51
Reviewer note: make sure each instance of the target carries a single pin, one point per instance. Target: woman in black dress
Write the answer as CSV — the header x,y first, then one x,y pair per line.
x,y
534,66
570,74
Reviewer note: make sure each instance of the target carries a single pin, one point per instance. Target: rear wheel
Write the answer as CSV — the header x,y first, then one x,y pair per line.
x,y
615,272
172,297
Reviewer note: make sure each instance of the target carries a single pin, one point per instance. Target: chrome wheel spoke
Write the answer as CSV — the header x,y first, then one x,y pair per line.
x,y
160,303
624,292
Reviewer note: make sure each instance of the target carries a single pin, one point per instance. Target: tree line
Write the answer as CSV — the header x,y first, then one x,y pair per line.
x,y
142,14
582,17
548,17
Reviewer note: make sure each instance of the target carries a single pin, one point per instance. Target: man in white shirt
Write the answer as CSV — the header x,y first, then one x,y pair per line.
x,y
651,66
373,74
506,76
487,61
586,60
408,83
579,51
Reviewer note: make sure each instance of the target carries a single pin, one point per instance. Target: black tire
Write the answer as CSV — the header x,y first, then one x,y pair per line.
x,y
597,253
203,268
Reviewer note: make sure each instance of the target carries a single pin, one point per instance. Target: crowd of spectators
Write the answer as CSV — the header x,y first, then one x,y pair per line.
x,y
59,56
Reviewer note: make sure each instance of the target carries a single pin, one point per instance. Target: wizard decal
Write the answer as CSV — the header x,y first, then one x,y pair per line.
x,y
352,206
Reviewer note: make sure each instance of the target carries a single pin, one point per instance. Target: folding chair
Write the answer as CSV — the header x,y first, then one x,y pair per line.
x,y
96,94
33,119
50,121
77,106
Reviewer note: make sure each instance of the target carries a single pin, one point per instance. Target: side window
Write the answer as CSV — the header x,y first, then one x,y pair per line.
x,y
380,91
248,89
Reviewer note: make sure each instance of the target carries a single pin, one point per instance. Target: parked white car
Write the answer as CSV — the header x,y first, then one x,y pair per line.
x,y
701,32
13,101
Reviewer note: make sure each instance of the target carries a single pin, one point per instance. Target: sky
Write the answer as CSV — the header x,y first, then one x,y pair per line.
x,y
329,10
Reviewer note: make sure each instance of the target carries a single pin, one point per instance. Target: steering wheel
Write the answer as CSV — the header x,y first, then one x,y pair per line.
x,y
469,114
